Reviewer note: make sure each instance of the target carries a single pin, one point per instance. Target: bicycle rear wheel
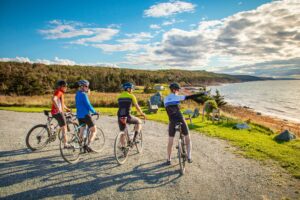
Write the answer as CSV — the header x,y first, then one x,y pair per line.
x,y
121,148
37,137
139,142
71,153
98,144
181,156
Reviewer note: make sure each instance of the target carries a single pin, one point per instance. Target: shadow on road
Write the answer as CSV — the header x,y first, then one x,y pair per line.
x,y
53,177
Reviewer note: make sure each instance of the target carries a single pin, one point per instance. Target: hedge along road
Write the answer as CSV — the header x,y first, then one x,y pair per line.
x,y
216,173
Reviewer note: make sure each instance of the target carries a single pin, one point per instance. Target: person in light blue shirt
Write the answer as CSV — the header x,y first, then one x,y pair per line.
x,y
84,111
172,102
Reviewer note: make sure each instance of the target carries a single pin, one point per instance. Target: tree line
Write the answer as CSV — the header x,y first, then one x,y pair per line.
x,y
38,79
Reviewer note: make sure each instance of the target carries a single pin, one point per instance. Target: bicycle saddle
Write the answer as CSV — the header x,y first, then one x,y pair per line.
x,y
123,120
46,112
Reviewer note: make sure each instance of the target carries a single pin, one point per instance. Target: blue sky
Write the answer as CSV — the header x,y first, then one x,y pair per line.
x,y
212,35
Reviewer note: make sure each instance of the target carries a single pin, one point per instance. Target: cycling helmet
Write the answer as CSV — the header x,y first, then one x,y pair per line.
x,y
61,83
127,85
83,82
175,86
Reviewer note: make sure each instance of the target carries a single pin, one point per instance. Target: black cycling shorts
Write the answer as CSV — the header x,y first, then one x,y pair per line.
x,y
184,127
60,118
86,120
130,120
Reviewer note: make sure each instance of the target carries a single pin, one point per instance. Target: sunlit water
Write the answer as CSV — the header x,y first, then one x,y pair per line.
x,y
277,98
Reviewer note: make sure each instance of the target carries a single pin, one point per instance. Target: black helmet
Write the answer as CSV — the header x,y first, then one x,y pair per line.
x,y
61,83
83,82
175,86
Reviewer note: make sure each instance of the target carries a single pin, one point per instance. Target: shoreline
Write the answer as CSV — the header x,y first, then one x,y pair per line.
x,y
275,123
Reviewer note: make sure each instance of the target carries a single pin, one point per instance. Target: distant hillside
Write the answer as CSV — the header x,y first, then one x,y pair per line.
x,y
244,78
36,79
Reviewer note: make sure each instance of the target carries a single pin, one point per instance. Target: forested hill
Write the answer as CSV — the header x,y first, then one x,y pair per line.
x,y
244,78
36,79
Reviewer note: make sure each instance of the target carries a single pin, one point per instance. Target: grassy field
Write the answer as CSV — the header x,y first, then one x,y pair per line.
x,y
255,143
96,98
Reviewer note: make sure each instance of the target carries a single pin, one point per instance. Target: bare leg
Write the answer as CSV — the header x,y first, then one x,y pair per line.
x,y
64,132
93,131
137,129
188,146
169,149
81,133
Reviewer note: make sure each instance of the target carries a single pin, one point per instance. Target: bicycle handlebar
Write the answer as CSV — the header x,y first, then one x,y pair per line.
x,y
96,114
141,116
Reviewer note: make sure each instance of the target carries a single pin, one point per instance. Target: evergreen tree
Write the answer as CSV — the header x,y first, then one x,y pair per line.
x,y
219,99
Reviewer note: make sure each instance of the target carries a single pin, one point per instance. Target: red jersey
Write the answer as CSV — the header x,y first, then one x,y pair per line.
x,y
59,94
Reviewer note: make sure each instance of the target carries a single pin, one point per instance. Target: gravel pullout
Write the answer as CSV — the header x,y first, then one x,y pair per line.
x,y
216,173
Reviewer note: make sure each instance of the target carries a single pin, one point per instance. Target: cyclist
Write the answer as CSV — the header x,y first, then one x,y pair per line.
x,y
58,107
84,108
125,100
172,102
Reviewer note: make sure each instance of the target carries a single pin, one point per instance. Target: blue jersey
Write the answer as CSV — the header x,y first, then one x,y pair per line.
x,y
83,105
173,99
172,102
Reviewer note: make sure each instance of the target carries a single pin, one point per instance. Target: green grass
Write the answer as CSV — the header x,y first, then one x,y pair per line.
x,y
256,143
103,110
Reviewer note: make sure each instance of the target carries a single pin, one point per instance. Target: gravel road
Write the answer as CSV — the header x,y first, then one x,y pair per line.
x,y
216,173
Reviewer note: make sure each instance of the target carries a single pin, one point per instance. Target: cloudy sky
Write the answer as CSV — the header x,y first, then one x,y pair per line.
x,y
254,37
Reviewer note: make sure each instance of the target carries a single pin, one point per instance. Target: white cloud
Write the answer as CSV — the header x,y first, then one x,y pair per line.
x,y
60,61
16,59
119,47
169,8
69,29
270,32
275,68
170,22
154,26
56,61
101,34
132,42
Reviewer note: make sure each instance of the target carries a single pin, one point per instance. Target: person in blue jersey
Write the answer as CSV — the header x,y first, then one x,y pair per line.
x,y
84,109
172,102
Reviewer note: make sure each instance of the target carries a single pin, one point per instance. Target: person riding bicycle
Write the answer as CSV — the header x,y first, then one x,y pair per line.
x,y
172,102
58,107
84,108
125,101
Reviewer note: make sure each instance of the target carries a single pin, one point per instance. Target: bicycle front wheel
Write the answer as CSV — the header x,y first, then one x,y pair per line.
x,y
70,153
37,137
98,144
139,142
181,156
121,148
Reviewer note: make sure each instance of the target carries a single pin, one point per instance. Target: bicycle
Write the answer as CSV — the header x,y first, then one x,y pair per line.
x,y
124,142
42,134
78,144
181,148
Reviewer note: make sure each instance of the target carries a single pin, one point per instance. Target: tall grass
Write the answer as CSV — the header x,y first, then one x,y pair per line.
x,y
97,99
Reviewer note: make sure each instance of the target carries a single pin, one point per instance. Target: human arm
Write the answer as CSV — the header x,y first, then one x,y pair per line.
x,y
63,105
88,104
140,110
195,97
135,103
56,103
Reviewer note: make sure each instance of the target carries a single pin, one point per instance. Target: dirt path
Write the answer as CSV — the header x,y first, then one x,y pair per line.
x,y
216,173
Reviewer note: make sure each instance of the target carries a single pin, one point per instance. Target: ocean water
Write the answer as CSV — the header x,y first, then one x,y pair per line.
x,y
275,98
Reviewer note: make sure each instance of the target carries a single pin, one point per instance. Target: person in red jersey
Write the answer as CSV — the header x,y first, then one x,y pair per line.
x,y
58,107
